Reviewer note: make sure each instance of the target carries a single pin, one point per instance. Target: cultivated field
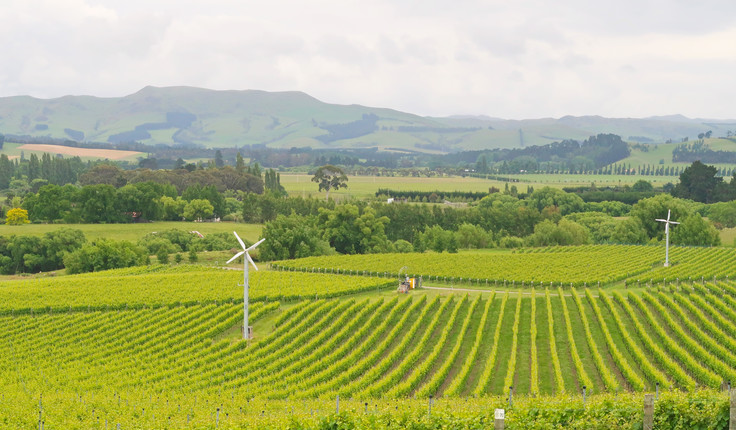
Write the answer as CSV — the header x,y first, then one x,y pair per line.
x,y
13,150
556,266
158,346
109,154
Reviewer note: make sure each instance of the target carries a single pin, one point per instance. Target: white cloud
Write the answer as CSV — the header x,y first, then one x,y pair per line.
x,y
531,58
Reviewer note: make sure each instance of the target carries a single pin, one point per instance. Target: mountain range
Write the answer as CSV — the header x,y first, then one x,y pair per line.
x,y
210,118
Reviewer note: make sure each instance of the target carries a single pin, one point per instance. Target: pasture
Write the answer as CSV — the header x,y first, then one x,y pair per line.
x,y
366,186
133,232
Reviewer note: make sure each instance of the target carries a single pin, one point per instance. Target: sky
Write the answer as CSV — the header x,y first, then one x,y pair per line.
x,y
507,59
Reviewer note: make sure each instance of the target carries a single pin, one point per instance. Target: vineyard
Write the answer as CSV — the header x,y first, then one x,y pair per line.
x,y
162,285
158,347
585,265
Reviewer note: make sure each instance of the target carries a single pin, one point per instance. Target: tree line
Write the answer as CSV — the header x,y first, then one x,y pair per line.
x,y
545,217
69,248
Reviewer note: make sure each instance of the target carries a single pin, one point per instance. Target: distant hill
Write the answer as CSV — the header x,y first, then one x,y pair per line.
x,y
186,115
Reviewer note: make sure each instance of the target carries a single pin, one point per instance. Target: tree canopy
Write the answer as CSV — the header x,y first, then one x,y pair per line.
x,y
330,177
698,182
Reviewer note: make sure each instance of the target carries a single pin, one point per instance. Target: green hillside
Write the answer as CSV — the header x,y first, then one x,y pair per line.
x,y
658,155
293,119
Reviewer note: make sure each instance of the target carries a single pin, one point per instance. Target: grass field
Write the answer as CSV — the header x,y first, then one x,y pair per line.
x,y
13,150
133,232
366,186
661,154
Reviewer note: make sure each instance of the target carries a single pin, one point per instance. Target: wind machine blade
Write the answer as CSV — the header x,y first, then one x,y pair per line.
x,y
251,261
236,256
239,240
252,247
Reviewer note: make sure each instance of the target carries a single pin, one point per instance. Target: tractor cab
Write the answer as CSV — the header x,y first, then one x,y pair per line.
x,y
409,284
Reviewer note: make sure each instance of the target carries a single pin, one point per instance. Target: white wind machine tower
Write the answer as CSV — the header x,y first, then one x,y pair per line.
x,y
667,223
246,259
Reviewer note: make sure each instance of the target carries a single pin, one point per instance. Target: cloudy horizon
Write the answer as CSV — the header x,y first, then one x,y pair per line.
x,y
529,59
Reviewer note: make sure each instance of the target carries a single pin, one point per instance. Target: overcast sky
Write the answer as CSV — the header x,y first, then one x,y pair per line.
x,y
508,59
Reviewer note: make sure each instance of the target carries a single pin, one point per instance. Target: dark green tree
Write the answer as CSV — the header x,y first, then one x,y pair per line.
x,y
239,163
219,162
647,210
698,182
104,254
642,186
292,236
99,204
547,197
34,168
330,177
630,231
694,230
273,182
7,169
349,232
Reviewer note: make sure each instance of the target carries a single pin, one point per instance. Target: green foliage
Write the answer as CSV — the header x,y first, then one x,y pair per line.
x,y
642,186
647,210
698,182
695,230
177,240
162,255
600,226
273,183
198,209
548,197
207,193
292,237
510,242
723,214
350,232
172,208
630,231
103,255
612,208
473,236
330,178
436,239
30,254
402,246
566,232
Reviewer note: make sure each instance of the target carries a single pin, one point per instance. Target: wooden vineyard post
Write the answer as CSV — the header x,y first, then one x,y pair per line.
x,y
732,415
498,421
648,411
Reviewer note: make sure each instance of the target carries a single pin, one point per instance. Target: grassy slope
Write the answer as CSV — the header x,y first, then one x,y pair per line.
x,y
662,153
133,232
286,119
